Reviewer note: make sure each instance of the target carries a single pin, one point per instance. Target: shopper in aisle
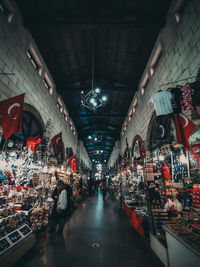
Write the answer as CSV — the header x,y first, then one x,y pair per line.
x,y
70,203
80,186
54,214
61,205
104,188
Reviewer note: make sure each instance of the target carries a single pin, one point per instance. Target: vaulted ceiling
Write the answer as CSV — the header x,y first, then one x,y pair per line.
x,y
120,33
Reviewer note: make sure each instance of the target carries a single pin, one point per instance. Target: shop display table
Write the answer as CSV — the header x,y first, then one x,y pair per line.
x,y
137,223
128,209
15,244
136,220
180,251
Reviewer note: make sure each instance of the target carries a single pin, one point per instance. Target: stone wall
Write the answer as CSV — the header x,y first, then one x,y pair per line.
x,y
180,59
15,41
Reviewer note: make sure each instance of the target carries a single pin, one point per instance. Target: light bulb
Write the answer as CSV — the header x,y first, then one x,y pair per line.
x,y
97,90
104,98
161,158
95,139
94,104
89,137
92,100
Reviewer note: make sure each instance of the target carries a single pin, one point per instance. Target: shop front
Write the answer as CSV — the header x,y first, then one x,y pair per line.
x,y
163,177
134,201
172,175
30,164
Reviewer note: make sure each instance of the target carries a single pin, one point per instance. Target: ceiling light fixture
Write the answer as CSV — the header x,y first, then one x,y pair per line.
x,y
95,137
93,100
97,90
104,98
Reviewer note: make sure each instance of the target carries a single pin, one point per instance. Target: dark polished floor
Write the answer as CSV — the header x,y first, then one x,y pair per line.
x,y
94,222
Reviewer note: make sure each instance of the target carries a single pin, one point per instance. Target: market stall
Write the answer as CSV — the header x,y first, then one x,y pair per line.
x,y
29,161
172,175
134,198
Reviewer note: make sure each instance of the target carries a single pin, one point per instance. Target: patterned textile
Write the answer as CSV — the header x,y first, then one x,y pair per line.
x,y
186,98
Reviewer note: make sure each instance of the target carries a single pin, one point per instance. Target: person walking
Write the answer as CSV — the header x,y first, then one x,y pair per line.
x,y
54,215
61,205
70,202
104,188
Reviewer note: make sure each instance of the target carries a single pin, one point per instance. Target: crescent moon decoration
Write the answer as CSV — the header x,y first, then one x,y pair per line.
x,y
58,140
185,119
11,107
163,131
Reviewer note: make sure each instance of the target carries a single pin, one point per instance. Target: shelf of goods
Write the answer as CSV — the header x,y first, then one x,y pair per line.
x,y
25,203
15,244
173,202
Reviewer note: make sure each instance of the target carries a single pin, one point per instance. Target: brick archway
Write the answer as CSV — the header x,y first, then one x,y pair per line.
x,y
31,109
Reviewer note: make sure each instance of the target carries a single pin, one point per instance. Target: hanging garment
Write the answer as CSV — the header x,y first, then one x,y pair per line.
x,y
196,93
195,153
166,172
162,103
198,109
186,98
184,129
176,99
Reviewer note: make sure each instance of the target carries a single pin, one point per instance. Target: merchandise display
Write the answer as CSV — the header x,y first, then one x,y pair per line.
x,y
168,169
28,174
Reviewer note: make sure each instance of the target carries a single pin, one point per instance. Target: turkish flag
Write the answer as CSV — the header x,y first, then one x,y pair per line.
x,y
184,129
142,150
33,142
72,162
57,142
11,115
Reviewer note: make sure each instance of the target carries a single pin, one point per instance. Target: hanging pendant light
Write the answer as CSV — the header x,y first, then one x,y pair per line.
x,y
93,99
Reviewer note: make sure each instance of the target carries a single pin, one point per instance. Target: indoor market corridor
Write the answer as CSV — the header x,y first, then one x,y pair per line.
x,y
94,222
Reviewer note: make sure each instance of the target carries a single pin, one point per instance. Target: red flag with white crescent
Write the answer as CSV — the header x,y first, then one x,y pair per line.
x,y
11,115
57,142
33,142
184,129
72,162
142,150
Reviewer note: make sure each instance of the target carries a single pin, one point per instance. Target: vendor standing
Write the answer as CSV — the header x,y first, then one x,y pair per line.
x,y
173,206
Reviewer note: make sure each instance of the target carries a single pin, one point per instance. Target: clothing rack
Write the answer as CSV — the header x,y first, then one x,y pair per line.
x,y
177,81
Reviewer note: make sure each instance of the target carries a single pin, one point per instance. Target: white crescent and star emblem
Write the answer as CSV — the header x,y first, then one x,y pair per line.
x,y
185,119
58,140
73,161
10,108
163,131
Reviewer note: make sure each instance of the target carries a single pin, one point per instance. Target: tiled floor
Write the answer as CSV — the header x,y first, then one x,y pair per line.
x,y
94,222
